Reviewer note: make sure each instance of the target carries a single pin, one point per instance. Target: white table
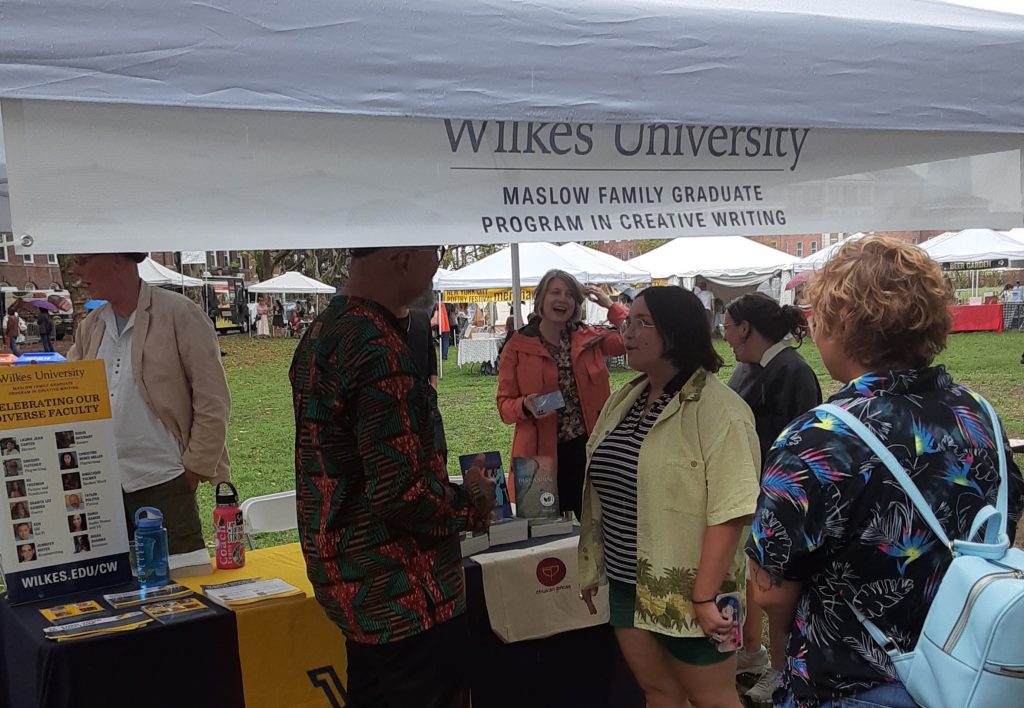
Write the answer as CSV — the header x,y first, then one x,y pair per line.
x,y
477,351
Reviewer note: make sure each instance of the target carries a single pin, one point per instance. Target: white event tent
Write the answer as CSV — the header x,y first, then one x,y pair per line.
x,y
603,265
535,259
974,246
292,283
733,261
156,274
815,261
326,124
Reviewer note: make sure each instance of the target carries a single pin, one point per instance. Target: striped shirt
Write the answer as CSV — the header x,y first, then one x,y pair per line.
x,y
613,472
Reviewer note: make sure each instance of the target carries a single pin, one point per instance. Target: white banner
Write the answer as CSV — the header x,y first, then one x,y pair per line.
x,y
193,257
115,177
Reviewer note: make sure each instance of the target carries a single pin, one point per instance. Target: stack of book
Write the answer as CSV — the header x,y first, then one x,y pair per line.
x,y
473,543
141,596
509,531
550,527
97,627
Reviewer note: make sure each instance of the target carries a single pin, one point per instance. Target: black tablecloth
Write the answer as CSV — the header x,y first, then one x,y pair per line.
x,y
580,668
191,663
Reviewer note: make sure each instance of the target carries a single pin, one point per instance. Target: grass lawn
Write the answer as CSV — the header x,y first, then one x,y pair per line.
x,y
261,433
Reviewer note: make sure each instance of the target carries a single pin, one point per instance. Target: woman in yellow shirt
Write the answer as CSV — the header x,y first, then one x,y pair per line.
x,y
671,482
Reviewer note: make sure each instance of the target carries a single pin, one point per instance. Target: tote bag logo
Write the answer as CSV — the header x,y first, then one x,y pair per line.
x,y
550,572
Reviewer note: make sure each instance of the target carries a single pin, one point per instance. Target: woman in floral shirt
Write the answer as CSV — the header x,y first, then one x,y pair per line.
x,y
832,526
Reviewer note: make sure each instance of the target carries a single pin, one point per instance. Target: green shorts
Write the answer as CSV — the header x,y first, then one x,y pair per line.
x,y
697,651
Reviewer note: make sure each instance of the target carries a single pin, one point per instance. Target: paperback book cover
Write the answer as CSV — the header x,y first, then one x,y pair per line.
x,y
97,627
175,610
487,467
141,596
240,593
73,612
536,485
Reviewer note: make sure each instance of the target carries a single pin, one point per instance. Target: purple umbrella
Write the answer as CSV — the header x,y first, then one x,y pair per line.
x,y
44,305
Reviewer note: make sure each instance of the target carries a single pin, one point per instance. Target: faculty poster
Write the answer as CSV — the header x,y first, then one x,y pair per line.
x,y
62,524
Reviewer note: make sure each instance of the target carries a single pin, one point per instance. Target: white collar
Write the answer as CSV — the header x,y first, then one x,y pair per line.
x,y
772,352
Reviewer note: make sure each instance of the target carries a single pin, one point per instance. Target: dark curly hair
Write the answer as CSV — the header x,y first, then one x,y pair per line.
x,y
772,321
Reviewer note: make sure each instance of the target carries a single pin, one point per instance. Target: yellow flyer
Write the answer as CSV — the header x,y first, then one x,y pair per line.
x,y
62,525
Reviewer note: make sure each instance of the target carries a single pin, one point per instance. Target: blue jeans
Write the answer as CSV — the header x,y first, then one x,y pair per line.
x,y
884,696
445,341
13,341
47,344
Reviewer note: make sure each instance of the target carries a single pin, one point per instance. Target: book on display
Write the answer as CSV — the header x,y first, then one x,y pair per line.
x,y
484,469
540,528
251,591
536,485
509,531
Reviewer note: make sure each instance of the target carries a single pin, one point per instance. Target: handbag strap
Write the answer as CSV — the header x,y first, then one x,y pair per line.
x,y
996,540
995,535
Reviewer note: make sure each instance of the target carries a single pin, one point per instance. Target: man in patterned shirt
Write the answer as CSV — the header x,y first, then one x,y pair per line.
x,y
379,521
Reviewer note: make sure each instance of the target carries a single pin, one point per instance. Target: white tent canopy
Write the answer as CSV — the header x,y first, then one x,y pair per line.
x,y
292,283
326,125
877,64
729,260
603,267
156,274
974,245
815,261
535,259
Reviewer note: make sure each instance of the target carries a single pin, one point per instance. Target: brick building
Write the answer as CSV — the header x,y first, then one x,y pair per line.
x,y
42,272
798,245
36,272
623,250
801,245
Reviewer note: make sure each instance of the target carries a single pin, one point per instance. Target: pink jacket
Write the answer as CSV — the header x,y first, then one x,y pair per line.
x,y
527,367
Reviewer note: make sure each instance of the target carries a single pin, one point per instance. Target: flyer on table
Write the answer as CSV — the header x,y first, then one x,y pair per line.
x,y
62,524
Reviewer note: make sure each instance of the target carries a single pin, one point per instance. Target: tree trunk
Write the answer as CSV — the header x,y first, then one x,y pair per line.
x,y
74,287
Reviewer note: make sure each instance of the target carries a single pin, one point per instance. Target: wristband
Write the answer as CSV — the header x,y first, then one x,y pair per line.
x,y
701,602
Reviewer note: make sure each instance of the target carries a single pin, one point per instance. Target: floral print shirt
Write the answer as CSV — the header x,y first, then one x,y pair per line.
x,y
570,418
830,515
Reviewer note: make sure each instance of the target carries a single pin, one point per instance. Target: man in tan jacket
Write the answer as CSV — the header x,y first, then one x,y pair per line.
x,y
168,393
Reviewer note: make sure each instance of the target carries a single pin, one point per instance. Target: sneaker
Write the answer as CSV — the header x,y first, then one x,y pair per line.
x,y
765,686
753,662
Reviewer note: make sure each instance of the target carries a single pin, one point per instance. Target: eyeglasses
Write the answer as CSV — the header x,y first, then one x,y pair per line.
x,y
629,323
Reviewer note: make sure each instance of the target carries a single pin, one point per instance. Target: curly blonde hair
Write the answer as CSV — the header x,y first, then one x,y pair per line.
x,y
884,301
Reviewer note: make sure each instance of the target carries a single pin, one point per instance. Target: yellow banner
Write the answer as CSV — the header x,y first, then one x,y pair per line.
x,y
493,295
290,653
48,394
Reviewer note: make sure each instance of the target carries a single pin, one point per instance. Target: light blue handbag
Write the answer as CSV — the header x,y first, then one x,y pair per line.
x,y
971,650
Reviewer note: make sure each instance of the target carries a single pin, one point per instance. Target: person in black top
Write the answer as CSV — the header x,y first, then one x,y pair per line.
x,y
420,338
45,330
778,385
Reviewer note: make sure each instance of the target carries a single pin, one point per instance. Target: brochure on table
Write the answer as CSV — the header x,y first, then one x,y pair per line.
x,y
62,524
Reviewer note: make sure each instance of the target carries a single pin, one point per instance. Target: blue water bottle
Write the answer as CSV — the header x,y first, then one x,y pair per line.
x,y
151,548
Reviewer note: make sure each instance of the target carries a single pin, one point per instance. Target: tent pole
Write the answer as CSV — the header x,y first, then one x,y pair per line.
x,y
517,289
440,362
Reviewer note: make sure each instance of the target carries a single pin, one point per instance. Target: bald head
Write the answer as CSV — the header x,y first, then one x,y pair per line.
x,y
394,277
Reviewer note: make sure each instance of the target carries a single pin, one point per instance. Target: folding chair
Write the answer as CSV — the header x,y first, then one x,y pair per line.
x,y
270,512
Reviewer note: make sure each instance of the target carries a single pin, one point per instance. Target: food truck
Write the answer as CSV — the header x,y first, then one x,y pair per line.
x,y
227,303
